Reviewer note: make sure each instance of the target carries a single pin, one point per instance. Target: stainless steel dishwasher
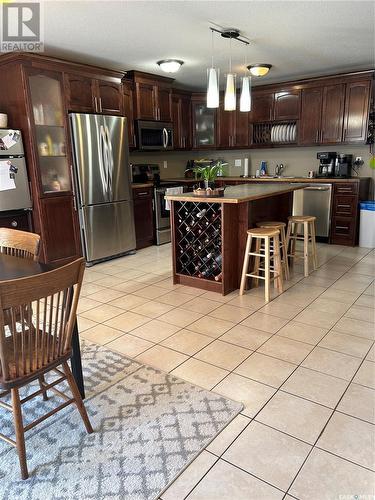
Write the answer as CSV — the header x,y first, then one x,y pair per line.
x,y
315,200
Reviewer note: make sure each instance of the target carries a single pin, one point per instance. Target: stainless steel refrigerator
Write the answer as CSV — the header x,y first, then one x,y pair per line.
x,y
103,190
14,185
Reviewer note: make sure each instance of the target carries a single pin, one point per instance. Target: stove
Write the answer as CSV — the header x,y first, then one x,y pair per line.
x,y
151,173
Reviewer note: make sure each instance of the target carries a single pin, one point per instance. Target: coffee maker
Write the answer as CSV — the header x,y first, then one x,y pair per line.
x,y
327,164
343,166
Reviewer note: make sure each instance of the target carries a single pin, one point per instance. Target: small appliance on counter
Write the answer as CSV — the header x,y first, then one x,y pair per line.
x,y
144,172
343,166
327,163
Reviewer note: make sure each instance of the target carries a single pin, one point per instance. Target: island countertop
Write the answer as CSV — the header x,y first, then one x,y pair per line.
x,y
241,193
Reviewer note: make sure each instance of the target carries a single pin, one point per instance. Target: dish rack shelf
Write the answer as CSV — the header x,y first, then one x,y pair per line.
x,y
275,133
198,240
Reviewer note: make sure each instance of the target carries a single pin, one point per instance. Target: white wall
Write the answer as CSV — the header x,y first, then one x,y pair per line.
x,y
298,160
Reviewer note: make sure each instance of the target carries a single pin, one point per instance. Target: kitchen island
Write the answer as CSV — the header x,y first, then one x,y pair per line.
x,y
209,234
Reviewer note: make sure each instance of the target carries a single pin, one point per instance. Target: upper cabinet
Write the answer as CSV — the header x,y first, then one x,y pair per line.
x,y
232,127
152,96
311,110
181,118
283,105
127,87
357,101
203,122
335,113
287,105
85,94
332,114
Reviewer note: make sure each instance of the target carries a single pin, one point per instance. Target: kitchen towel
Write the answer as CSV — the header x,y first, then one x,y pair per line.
x,y
172,190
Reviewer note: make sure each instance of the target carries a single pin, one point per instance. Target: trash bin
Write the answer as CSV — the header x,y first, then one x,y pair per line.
x,y
367,224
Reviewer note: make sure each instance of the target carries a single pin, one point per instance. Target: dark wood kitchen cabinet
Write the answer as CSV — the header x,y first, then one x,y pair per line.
x,y
332,114
287,105
232,127
92,95
127,87
311,110
181,118
152,96
357,101
262,107
32,94
143,216
203,123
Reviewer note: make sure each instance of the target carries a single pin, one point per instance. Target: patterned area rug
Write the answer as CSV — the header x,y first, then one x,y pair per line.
x,y
148,427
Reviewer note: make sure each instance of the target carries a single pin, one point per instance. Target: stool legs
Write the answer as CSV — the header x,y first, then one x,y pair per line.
x,y
284,249
278,265
245,266
257,259
267,269
306,248
308,236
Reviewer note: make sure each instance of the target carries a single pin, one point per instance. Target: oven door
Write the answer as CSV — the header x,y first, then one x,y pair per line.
x,y
162,215
154,136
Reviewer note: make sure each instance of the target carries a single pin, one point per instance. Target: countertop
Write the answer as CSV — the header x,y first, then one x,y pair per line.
x,y
240,194
320,180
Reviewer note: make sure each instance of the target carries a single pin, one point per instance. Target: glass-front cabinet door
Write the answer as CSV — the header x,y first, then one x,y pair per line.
x,y
50,131
204,120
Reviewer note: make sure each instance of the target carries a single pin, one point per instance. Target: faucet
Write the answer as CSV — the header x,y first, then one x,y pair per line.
x,y
279,169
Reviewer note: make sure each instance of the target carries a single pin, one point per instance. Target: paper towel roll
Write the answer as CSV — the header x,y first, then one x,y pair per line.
x,y
246,168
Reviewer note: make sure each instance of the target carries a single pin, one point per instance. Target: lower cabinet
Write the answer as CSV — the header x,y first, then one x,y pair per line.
x,y
60,234
143,217
16,219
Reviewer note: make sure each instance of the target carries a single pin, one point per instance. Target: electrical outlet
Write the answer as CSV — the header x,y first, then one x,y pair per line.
x,y
165,164
237,163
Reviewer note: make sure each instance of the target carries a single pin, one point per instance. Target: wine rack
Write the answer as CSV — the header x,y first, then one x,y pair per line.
x,y
198,240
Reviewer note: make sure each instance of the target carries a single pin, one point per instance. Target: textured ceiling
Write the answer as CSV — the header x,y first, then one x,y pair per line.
x,y
298,38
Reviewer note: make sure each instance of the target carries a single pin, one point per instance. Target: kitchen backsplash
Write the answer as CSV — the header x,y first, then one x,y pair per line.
x,y
297,161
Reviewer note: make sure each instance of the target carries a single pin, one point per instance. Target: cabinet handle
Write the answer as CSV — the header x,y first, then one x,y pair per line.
x,y
321,135
343,206
344,190
144,193
317,136
342,227
95,104
134,140
14,223
100,104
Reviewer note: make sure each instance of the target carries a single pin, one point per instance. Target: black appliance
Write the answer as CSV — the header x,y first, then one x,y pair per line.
x,y
154,136
145,172
327,163
343,166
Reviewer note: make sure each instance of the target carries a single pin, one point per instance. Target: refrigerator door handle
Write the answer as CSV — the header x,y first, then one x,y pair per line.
x,y
110,163
103,161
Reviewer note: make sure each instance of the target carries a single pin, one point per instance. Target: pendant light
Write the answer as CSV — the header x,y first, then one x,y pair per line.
x,y
230,89
212,80
245,98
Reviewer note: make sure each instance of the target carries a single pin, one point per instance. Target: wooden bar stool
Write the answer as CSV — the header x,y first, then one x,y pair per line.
x,y
307,223
283,246
267,248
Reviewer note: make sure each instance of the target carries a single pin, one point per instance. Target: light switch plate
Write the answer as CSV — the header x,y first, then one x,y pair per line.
x,y
165,164
237,163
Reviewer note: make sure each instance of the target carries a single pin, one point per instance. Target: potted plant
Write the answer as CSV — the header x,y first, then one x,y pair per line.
x,y
208,171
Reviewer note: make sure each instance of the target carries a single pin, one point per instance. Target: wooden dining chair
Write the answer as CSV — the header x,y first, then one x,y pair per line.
x,y
19,243
27,354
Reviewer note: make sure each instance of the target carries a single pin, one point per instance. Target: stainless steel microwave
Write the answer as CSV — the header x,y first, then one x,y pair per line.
x,y
154,136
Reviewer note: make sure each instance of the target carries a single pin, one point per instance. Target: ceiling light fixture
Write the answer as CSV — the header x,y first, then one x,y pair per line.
x,y
212,80
230,88
245,97
259,69
170,65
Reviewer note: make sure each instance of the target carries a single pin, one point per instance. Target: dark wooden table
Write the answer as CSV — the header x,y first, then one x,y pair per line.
x,y
12,268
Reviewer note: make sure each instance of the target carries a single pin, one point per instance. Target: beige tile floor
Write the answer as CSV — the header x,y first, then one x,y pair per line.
x,y
303,366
